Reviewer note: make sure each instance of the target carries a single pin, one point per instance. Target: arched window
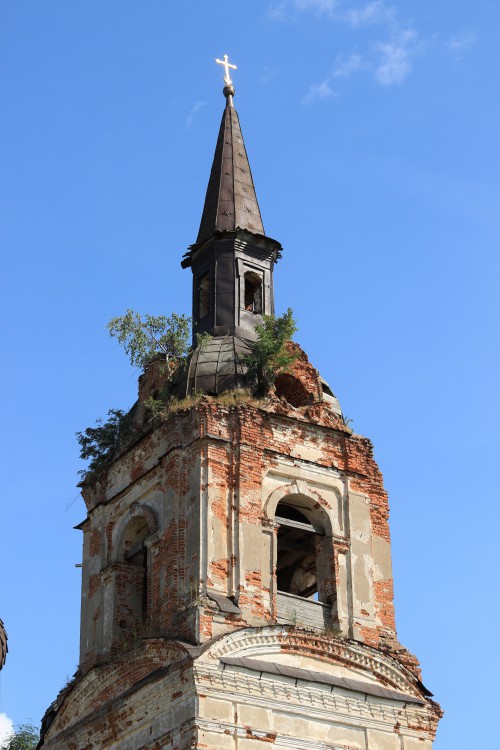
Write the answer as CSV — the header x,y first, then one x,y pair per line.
x,y
296,560
203,296
131,582
253,292
304,564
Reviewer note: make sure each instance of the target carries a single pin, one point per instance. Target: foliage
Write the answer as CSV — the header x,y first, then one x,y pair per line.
x,y
143,339
99,442
202,339
24,738
236,398
155,405
269,353
163,409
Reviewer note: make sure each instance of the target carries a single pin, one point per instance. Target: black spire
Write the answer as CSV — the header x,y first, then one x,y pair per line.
x,y
230,202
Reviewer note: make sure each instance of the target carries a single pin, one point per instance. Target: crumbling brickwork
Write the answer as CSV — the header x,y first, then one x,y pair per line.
x,y
214,469
181,544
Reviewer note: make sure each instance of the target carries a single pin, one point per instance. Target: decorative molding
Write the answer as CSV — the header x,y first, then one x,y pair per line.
x,y
327,649
298,487
287,467
311,702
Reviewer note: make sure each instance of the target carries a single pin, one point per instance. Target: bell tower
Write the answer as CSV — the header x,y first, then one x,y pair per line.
x,y
237,582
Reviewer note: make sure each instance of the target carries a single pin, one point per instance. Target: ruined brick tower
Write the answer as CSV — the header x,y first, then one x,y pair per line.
x,y
237,586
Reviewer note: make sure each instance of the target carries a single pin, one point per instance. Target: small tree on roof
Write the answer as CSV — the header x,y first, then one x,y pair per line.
x,y
270,354
99,443
145,338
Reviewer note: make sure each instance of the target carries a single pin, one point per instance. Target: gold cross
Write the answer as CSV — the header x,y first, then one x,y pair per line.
x,y
226,65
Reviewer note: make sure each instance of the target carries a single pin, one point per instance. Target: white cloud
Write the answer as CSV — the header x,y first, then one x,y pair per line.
x,y
193,112
343,69
390,61
284,10
352,64
6,727
460,43
278,11
374,12
318,91
267,74
394,62
320,7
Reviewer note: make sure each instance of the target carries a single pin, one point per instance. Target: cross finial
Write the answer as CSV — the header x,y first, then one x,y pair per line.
x,y
225,62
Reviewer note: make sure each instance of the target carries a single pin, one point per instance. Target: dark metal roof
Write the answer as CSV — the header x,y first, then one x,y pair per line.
x,y
215,367
309,675
224,603
230,202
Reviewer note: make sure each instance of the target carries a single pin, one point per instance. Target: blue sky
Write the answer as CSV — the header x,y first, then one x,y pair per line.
x,y
372,131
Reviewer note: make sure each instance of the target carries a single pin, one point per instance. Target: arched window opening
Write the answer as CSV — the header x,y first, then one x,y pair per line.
x,y
253,293
296,568
203,296
326,388
305,568
132,582
291,389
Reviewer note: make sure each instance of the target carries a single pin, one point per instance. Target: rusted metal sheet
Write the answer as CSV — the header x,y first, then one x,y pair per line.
x,y
297,673
224,603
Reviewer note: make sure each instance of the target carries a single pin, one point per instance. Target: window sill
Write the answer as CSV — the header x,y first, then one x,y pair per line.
x,y
295,610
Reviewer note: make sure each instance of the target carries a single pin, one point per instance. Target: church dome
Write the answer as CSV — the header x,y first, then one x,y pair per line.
x,y
219,366
213,368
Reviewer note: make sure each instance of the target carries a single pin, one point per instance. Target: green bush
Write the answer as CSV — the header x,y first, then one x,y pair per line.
x,y
270,353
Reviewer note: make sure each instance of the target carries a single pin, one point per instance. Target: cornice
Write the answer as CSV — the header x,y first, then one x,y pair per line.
x,y
327,649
